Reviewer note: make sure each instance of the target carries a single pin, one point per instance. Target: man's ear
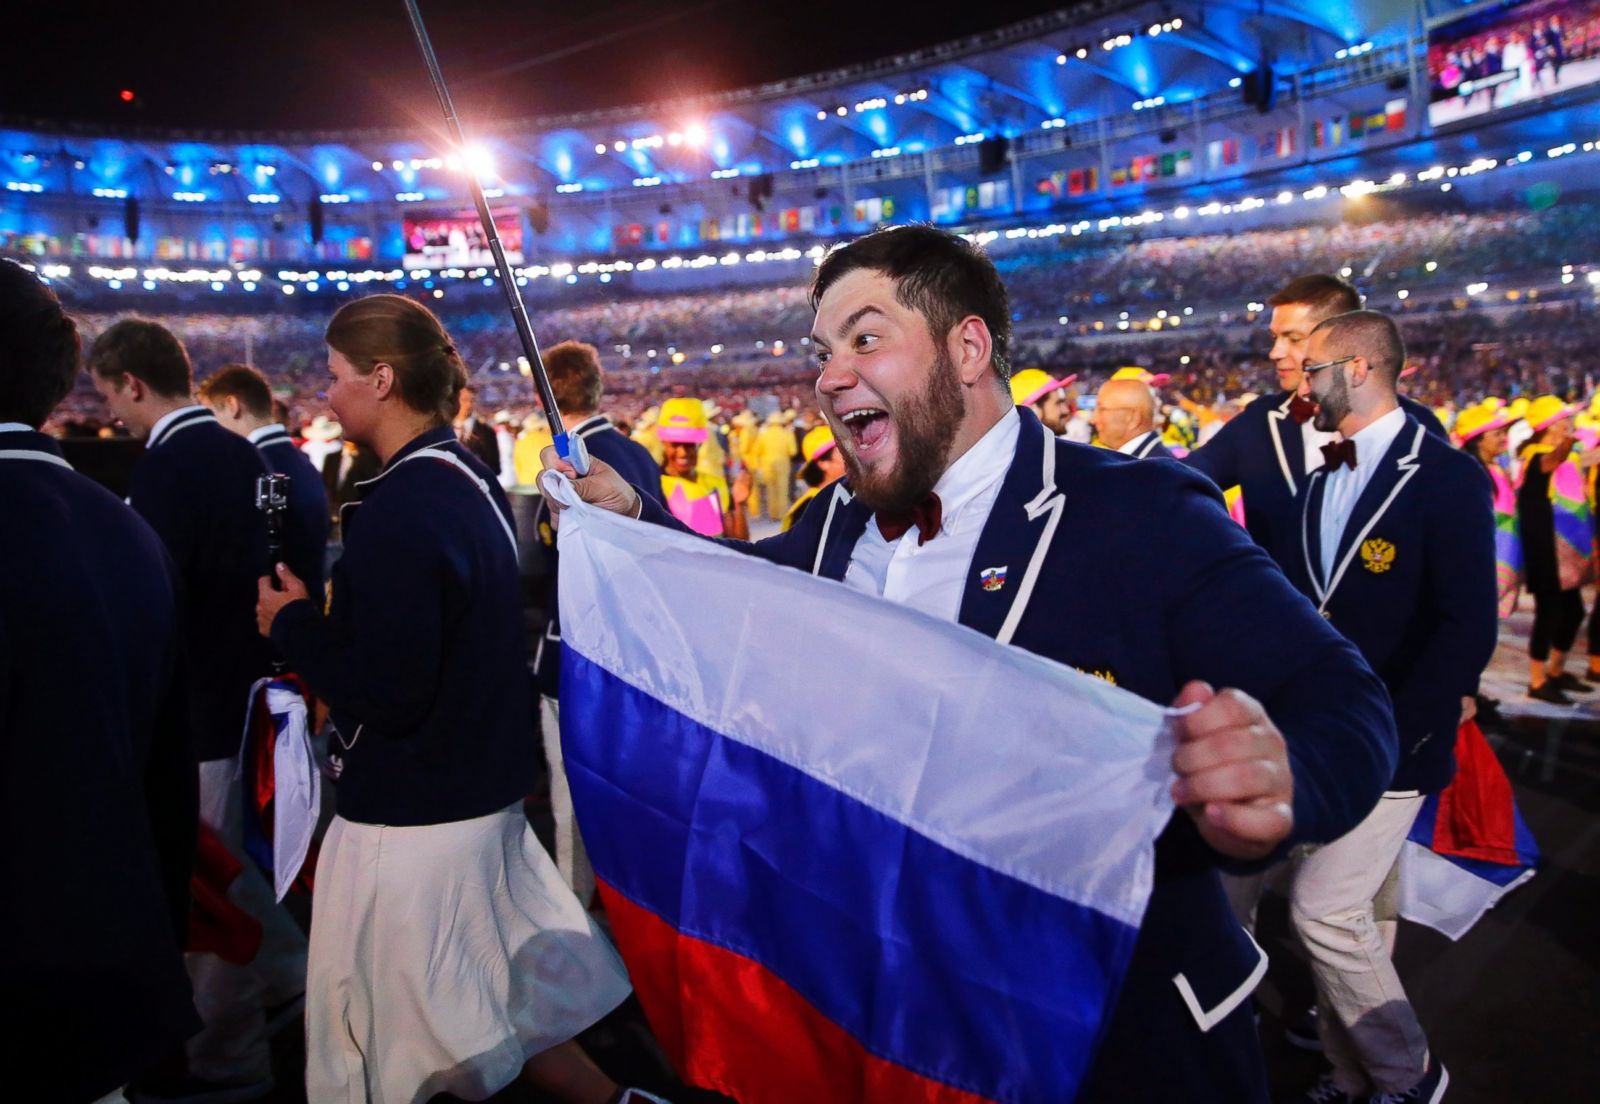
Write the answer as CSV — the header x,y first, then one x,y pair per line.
x,y
136,388
234,406
971,349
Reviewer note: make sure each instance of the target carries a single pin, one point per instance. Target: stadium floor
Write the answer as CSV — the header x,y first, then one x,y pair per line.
x,y
1513,1009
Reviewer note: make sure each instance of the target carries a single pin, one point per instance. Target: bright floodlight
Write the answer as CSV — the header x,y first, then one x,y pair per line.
x,y
695,135
479,161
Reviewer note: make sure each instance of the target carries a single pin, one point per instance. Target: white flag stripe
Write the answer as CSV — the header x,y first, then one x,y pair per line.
x,y
1008,759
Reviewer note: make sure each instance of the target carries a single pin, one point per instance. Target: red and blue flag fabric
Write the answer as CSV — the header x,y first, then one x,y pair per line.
x,y
1469,846
281,784
849,852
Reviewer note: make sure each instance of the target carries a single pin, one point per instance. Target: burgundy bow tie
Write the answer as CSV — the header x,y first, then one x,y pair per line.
x,y
1301,409
1337,453
927,515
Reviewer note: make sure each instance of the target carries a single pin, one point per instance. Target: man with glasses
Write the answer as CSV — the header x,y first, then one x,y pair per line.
x,y
1270,447
1125,419
1395,546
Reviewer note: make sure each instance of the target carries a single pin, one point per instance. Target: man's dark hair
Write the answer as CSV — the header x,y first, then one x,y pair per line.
x,y
41,347
147,351
1368,334
242,382
575,375
939,275
1325,295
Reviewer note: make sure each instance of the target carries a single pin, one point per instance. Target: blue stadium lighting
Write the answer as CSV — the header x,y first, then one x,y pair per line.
x,y
568,188
23,186
248,285
805,163
969,139
111,193
313,286
189,197
264,197
723,174
409,197
646,181
335,197
344,285
149,285
888,151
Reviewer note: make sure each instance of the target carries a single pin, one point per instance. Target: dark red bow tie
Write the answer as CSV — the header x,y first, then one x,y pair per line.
x,y
1336,453
1301,409
927,515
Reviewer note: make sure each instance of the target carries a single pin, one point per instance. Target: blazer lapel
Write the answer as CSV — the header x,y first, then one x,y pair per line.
x,y
1015,538
1399,464
845,520
1288,444
1311,532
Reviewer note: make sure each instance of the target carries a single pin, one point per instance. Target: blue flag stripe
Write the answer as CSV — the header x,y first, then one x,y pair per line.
x,y
929,959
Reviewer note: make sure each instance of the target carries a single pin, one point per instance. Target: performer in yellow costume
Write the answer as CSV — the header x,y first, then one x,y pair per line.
x,y
775,451
702,502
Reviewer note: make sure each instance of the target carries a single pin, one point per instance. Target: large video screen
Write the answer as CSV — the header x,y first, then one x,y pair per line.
x,y
455,239
1509,54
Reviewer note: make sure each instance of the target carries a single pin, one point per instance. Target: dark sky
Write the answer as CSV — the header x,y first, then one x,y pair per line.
x,y
262,64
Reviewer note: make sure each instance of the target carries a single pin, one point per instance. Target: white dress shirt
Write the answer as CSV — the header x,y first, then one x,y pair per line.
x,y
1130,447
1343,487
931,577
1313,439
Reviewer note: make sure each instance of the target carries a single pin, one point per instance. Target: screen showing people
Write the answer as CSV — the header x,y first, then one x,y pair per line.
x,y
1509,54
457,239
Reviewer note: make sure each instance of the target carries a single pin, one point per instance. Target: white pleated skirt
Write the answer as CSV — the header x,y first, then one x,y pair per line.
x,y
442,958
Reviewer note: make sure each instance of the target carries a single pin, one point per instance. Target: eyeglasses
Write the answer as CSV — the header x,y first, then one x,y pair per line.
x,y
1313,369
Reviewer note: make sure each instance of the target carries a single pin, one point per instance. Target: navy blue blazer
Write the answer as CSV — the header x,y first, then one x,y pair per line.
x,y
196,486
306,527
1261,452
100,798
1413,587
1152,447
1073,525
423,657
635,464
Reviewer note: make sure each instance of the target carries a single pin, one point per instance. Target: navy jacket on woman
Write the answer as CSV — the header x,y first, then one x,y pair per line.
x,y
1413,586
1261,451
99,788
1091,589
422,657
306,528
196,486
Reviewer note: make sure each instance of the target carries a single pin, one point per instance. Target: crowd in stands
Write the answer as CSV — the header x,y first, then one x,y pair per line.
x,y
738,346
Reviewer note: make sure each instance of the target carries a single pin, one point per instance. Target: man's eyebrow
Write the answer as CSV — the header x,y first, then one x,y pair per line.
x,y
849,323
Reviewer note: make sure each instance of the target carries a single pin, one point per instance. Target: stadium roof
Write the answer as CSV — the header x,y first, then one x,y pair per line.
x,y
294,72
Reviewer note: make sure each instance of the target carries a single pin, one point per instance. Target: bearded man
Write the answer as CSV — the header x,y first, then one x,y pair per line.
x,y
963,505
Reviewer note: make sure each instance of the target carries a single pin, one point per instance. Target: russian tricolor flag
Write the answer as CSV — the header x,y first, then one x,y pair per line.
x,y
1469,846
849,852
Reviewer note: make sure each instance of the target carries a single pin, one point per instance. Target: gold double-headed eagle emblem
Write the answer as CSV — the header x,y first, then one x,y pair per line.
x,y
1377,555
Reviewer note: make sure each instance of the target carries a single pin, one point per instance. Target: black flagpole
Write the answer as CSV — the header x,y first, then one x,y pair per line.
x,y
570,448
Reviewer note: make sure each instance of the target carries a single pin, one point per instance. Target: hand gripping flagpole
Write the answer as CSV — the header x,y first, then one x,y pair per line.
x,y
570,447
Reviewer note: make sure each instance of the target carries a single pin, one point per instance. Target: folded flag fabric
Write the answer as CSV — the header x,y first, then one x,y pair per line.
x,y
281,781
1469,846
849,852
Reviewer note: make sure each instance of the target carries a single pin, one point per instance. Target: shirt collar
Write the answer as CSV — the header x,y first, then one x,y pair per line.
x,y
439,435
1374,440
1130,447
165,422
979,468
256,436
16,427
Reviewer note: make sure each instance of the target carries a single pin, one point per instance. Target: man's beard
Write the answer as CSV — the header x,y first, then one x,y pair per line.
x,y
1333,407
924,428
